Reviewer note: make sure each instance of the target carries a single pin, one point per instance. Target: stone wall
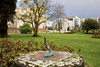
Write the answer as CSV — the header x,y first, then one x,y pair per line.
x,y
42,30
16,30
13,30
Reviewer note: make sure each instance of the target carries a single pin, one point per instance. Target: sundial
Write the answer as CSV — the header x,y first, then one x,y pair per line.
x,y
48,47
49,58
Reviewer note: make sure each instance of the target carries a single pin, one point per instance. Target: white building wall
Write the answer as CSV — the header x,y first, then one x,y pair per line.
x,y
65,24
49,23
19,23
42,25
70,23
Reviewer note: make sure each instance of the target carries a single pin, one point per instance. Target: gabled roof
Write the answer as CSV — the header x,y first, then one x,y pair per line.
x,y
71,17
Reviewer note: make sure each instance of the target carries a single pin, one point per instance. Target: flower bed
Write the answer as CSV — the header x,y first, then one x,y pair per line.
x,y
10,50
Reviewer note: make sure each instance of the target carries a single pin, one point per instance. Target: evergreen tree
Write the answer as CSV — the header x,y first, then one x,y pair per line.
x,y
7,10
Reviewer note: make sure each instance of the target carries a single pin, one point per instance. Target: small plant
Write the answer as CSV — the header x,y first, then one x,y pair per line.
x,y
79,49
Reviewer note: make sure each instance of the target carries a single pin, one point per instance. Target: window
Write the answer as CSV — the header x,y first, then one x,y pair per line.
x,y
76,21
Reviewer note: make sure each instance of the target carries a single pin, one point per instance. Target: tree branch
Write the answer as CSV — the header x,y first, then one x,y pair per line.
x,y
42,22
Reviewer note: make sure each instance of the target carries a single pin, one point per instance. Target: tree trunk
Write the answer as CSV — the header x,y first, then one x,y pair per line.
x,y
3,27
36,33
93,32
86,31
59,27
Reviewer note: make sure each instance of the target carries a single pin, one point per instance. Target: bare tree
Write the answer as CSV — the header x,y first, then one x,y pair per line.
x,y
34,14
99,21
58,14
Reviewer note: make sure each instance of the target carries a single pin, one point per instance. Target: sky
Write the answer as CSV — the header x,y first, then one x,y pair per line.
x,y
81,8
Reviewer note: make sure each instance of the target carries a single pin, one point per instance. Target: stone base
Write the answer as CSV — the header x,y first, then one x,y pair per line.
x,y
59,59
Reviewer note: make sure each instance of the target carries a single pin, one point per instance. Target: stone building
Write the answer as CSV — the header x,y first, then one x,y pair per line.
x,y
14,27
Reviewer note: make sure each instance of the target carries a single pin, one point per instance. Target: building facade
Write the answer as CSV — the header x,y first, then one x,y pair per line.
x,y
70,23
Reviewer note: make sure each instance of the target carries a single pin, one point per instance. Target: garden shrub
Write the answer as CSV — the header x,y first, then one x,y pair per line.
x,y
9,50
50,28
26,28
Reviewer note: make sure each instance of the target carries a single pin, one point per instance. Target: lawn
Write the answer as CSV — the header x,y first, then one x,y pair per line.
x,y
90,46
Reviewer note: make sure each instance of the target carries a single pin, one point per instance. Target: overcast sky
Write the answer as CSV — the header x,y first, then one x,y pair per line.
x,y
81,8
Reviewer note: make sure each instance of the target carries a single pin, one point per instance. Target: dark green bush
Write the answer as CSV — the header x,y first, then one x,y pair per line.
x,y
50,28
25,29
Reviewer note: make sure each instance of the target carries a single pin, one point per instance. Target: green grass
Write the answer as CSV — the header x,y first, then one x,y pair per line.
x,y
90,46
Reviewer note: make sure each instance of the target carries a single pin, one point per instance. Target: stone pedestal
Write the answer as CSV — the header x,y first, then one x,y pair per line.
x,y
59,59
